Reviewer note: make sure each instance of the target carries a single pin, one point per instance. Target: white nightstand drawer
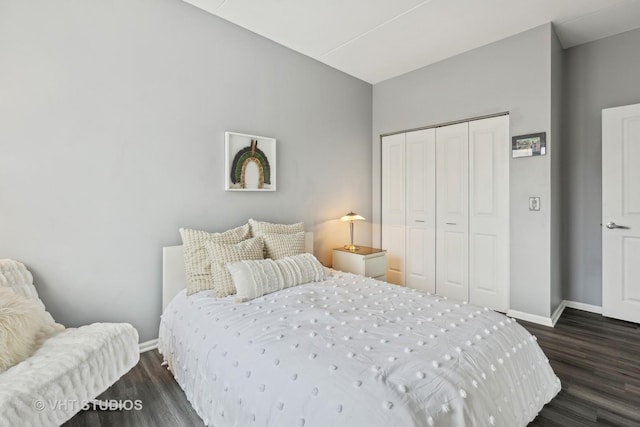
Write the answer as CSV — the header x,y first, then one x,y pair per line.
x,y
368,262
375,266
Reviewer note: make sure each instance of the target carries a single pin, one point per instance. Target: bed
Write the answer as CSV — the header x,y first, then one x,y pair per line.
x,y
349,351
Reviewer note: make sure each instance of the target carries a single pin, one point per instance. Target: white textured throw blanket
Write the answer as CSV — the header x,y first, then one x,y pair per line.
x,y
70,368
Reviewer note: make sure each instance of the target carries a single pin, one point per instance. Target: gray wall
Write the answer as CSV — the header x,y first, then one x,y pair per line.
x,y
557,146
598,75
113,117
512,75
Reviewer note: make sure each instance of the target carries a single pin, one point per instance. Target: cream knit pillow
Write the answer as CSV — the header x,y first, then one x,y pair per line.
x,y
220,254
278,246
196,260
259,228
22,323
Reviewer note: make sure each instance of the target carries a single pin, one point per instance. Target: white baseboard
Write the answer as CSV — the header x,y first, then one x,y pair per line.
x,y
556,314
148,345
551,321
528,317
584,307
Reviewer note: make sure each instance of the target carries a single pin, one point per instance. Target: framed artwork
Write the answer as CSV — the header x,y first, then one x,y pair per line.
x,y
534,144
250,162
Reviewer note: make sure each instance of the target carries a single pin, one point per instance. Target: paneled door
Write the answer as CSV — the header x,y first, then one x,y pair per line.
x,y
452,213
393,205
621,213
489,153
421,205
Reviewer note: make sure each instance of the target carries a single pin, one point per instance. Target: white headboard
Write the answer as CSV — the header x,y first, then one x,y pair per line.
x,y
173,274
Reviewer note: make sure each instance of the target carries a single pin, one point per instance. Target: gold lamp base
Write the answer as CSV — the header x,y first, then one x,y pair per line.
x,y
351,217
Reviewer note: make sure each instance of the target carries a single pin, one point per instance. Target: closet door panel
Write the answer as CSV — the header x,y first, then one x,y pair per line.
x,y
452,205
489,153
452,271
420,218
393,240
394,205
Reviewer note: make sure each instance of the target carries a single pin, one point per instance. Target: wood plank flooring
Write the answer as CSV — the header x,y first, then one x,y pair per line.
x,y
596,358
163,401
598,362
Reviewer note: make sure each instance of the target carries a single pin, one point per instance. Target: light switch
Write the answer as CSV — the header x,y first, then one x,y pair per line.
x,y
534,203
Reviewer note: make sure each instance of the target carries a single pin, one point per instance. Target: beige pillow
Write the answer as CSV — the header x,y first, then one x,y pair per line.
x,y
220,254
278,246
259,228
15,277
253,279
196,260
22,323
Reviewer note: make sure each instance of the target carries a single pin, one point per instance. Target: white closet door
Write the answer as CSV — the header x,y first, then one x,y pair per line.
x,y
421,216
489,153
452,213
393,205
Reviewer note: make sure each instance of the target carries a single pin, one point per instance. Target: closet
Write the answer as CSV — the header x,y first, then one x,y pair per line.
x,y
445,210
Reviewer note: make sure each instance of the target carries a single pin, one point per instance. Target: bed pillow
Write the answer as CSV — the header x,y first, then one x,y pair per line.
x,y
258,228
278,246
196,260
21,327
253,279
221,254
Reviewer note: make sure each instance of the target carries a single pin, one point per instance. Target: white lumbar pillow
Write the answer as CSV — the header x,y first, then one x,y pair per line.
x,y
255,278
22,328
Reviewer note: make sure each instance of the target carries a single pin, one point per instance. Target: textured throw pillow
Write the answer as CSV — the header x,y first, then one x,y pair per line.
x,y
15,277
21,327
278,246
253,279
220,254
196,260
258,228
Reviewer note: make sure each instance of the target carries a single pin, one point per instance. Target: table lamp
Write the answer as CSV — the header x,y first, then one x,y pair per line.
x,y
351,217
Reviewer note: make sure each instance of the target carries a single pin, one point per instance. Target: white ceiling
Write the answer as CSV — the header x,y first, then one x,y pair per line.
x,y
375,40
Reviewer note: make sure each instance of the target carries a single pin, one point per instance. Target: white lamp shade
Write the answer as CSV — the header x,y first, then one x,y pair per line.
x,y
352,217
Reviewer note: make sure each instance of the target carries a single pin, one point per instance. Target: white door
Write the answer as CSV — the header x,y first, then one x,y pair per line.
x,y
489,153
393,205
421,216
452,213
621,213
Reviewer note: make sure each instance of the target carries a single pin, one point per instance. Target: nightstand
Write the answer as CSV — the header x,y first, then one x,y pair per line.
x,y
369,262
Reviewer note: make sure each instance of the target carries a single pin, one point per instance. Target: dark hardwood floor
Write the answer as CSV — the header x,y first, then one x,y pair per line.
x,y
596,358
598,361
163,401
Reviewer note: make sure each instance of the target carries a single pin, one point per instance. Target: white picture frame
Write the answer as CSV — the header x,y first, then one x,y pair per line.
x,y
250,162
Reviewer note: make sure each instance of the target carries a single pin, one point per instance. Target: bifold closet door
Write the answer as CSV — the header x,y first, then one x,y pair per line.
x,y
452,212
393,205
489,153
420,234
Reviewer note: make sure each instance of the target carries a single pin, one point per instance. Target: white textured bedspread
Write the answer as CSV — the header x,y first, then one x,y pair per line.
x,y
352,351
